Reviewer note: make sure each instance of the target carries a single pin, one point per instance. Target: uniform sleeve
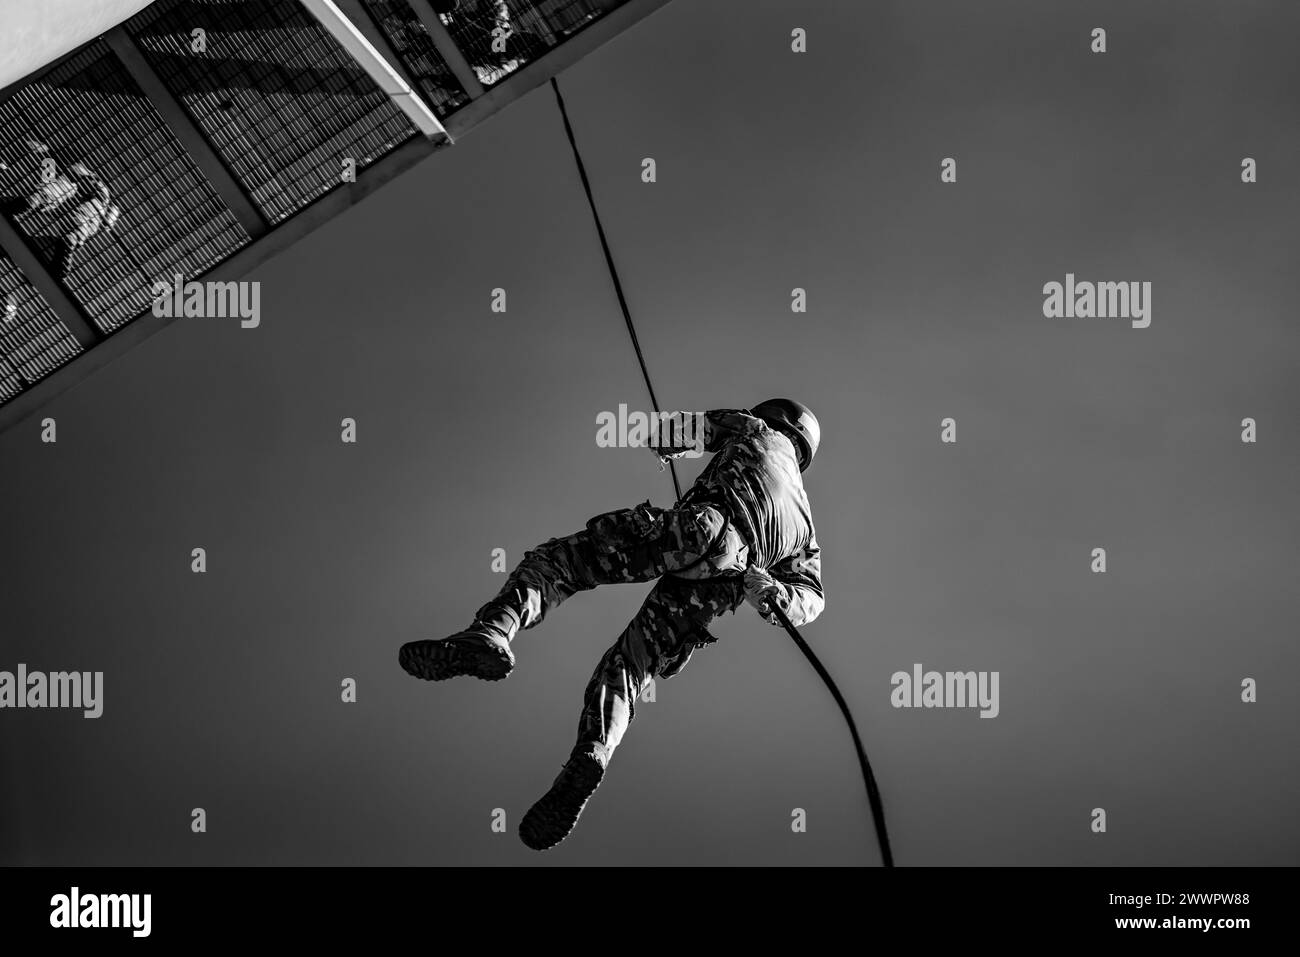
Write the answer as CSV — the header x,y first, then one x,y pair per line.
x,y
801,574
681,430
723,425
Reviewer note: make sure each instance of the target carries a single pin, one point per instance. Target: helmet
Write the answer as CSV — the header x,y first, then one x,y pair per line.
x,y
797,421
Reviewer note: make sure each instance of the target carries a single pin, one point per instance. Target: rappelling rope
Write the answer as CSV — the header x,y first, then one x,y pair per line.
x,y
613,272
873,793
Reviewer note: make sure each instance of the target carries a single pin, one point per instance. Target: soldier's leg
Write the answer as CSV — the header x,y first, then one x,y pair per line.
x,y
65,249
629,545
657,643
86,222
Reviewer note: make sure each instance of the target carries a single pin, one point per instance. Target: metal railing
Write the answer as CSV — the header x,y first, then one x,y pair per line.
x,y
102,191
33,342
278,98
203,136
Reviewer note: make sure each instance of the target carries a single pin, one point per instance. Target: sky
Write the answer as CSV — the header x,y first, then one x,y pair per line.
x,y
476,430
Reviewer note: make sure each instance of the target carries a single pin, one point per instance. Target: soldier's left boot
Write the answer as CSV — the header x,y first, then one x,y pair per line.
x,y
480,651
556,813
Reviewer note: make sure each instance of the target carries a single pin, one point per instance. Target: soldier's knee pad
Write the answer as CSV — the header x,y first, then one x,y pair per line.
x,y
626,527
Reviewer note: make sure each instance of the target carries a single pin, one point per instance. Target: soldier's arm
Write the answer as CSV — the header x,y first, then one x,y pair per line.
x,y
715,429
723,425
801,574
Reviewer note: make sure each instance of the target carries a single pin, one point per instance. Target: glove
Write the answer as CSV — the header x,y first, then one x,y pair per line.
x,y
762,591
659,457
672,446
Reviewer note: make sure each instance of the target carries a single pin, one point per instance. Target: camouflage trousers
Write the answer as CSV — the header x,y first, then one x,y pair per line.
x,y
699,559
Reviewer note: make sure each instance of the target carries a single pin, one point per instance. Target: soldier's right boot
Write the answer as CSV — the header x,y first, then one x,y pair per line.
x,y
556,812
481,651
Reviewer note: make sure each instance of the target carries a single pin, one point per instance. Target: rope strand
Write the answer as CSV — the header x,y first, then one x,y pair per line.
x,y
873,793
613,272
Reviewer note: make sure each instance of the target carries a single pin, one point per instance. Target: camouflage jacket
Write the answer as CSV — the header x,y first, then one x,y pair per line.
x,y
755,475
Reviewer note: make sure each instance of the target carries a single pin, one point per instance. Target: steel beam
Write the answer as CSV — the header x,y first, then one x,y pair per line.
x,y
53,291
534,74
455,60
386,77
356,11
186,131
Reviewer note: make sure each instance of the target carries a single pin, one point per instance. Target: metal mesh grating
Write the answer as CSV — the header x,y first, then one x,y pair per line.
x,y
528,28
413,46
33,343
279,99
105,194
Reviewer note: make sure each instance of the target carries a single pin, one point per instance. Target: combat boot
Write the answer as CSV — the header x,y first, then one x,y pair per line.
x,y
556,813
481,651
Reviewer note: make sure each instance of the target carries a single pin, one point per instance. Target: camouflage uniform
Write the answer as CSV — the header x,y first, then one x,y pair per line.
x,y
755,478
94,212
474,25
77,204
748,507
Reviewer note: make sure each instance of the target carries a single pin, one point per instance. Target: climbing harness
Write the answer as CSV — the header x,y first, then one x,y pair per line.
x,y
873,793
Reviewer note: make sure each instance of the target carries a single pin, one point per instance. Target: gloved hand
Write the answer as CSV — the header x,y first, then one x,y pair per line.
x,y
762,590
672,445
659,457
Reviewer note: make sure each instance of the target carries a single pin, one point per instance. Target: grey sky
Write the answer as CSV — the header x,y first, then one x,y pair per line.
x,y
477,431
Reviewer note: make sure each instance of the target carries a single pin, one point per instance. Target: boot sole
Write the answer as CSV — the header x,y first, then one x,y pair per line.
x,y
556,813
440,660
